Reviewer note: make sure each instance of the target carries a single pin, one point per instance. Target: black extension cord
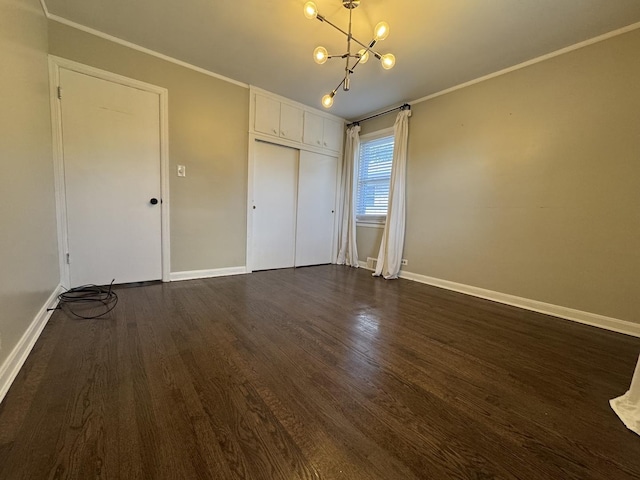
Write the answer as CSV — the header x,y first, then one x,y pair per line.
x,y
86,295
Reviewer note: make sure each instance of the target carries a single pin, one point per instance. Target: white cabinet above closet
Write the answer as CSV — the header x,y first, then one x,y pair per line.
x,y
322,132
293,124
278,119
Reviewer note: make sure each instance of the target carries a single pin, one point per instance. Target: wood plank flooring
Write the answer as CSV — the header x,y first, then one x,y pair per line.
x,y
318,373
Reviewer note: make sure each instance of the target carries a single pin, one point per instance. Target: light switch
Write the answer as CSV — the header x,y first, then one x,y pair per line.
x,y
182,171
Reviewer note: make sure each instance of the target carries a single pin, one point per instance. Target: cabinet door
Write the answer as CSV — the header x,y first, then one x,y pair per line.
x,y
267,115
332,135
316,208
275,179
290,122
313,129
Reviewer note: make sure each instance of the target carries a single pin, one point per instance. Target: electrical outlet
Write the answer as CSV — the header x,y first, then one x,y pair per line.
x,y
404,261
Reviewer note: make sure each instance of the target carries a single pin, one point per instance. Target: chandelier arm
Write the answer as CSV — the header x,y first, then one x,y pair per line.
x,y
333,25
345,55
349,71
335,90
369,48
355,65
347,81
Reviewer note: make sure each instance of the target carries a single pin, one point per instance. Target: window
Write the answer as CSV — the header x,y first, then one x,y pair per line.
x,y
374,176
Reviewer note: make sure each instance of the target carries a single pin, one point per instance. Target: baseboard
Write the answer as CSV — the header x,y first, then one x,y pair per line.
x,y
12,365
216,272
587,318
593,319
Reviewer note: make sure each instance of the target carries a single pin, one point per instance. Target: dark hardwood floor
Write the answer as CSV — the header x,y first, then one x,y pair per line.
x,y
318,373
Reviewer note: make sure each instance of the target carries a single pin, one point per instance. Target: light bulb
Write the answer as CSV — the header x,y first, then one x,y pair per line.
x,y
381,31
320,55
388,61
310,10
327,100
364,56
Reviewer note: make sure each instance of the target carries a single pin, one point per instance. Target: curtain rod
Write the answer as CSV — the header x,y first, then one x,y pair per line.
x,y
405,106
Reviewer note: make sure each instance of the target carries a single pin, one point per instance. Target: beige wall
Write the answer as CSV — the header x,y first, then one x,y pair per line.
x,y
529,183
28,245
208,125
378,123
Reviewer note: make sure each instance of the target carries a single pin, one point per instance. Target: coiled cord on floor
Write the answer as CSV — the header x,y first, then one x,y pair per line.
x,y
85,296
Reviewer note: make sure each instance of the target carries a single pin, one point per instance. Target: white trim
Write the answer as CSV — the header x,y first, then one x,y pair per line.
x,y
134,46
562,51
165,190
216,272
579,316
45,9
14,362
55,64
593,319
250,202
385,132
58,165
370,224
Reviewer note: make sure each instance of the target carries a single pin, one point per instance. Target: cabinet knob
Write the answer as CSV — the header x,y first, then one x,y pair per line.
x,y
318,142
325,144
275,131
283,134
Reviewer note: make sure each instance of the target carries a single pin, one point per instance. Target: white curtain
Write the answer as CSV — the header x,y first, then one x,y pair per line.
x,y
347,249
390,255
628,405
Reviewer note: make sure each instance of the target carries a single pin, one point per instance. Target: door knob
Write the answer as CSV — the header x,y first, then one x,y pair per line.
x,y
153,201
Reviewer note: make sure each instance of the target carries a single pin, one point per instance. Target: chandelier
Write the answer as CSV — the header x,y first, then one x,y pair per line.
x,y
320,54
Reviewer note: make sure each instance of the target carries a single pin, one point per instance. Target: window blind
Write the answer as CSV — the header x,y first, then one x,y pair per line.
x,y
374,175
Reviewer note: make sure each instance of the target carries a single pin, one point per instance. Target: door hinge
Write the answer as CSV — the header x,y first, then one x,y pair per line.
x,y
60,93
67,258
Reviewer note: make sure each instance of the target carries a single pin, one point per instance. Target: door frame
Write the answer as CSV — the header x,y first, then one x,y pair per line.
x,y
55,65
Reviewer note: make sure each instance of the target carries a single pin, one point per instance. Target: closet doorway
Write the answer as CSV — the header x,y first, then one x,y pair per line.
x,y
292,207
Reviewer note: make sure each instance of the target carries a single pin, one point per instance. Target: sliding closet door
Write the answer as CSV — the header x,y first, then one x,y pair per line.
x,y
275,180
316,208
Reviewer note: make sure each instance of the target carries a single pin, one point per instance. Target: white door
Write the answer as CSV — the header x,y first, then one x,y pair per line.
x,y
111,146
275,179
316,208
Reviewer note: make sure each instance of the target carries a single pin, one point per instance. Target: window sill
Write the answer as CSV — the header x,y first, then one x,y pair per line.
x,y
370,224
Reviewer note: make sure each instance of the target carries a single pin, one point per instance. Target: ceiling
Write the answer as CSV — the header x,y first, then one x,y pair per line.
x,y
437,43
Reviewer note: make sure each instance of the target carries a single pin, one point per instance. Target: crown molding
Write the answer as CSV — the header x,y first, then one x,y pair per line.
x,y
44,8
134,46
542,58
533,61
